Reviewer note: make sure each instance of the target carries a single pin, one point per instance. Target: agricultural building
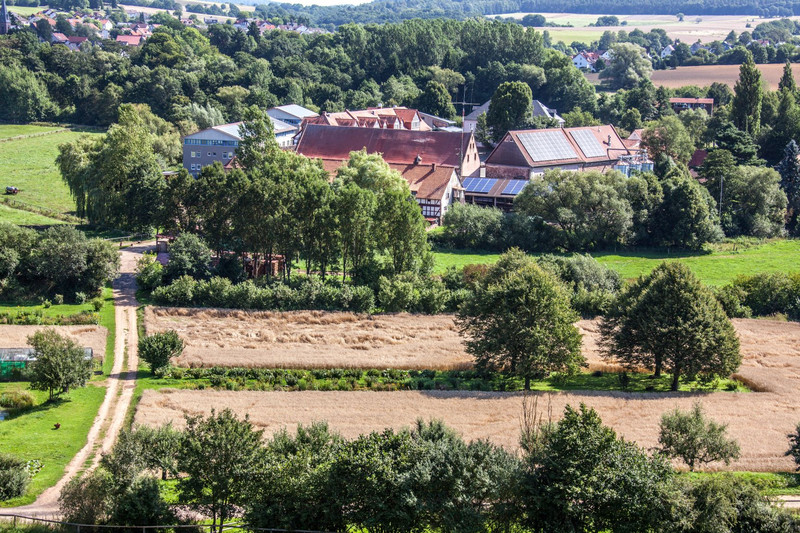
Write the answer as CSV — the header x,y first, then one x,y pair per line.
x,y
524,155
432,162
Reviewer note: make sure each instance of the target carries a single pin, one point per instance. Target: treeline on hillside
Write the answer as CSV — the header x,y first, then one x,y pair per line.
x,y
423,477
381,11
195,80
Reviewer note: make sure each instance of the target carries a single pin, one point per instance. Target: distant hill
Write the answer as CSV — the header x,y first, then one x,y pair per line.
x,y
379,11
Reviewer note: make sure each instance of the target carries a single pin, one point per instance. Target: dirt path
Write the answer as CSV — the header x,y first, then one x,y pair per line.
x,y
119,390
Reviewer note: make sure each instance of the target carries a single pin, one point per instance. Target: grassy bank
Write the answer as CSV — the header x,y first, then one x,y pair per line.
x,y
31,434
719,266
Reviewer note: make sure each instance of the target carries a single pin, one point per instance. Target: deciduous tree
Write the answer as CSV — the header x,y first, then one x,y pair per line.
x,y
694,439
669,321
60,363
748,92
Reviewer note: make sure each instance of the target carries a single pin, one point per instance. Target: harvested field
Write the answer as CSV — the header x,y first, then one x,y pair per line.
x,y
93,337
705,75
311,339
758,420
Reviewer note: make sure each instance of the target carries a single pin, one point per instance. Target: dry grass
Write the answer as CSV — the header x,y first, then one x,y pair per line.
x,y
311,339
704,76
93,337
758,420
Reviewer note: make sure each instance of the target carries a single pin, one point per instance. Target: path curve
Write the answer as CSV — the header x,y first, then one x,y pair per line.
x,y
120,385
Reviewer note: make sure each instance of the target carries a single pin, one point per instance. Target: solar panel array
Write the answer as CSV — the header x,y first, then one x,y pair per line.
x,y
547,145
514,187
588,143
479,185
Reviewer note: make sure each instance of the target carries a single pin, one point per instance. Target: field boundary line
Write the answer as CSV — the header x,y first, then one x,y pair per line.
x,y
31,135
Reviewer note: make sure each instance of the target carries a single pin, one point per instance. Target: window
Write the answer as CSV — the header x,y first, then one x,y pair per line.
x,y
193,167
193,154
208,154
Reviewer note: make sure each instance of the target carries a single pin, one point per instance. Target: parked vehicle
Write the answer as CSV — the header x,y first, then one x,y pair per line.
x,y
11,190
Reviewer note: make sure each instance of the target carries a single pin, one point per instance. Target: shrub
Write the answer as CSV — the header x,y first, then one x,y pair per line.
x,y
16,399
188,256
179,292
157,349
80,298
472,226
731,298
695,439
362,299
58,299
149,272
770,293
794,446
14,477
433,298
397,293
47,304
214,293
97,303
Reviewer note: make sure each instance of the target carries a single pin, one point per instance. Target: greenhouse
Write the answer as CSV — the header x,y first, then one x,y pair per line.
x,y
19,358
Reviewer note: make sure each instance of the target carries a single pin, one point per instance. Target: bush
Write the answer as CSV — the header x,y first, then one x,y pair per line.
x,y
149,272
97,303
188,256
694,439
58,299
80,298
731,298
472,226
17,399
14,477
157,349
397,293
179,293
771,293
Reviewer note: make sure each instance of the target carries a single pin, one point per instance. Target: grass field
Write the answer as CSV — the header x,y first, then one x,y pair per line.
x,y
32,169
13,130
31,435
25,218
719,267
26,10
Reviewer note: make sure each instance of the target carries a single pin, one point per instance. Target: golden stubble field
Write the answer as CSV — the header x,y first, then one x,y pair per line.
x,y
760,421
705,75
93,337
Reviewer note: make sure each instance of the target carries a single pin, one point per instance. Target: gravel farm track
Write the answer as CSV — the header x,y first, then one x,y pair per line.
x,y
119,390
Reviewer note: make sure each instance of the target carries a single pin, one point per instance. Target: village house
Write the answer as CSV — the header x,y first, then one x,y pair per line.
x,y
667,51
538,109
219,143
682,104
129,40
585,60
432,162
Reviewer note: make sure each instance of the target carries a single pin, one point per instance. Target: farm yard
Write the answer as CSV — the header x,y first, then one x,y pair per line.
x,y
705,75
771,366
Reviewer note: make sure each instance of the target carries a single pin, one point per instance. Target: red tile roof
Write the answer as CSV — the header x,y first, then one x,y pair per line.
x,y
396,146
129,40
698,157
704,101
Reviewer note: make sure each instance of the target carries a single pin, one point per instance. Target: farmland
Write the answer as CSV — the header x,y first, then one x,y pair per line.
x,y
705,75
721,266
31,164
772,365
25,218
311,339
709,28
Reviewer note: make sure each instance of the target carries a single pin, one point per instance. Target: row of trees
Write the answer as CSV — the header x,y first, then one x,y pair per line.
x,y
573,475
519,321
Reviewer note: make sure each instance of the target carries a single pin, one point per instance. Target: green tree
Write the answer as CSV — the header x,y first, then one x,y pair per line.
x,y
158,349
579,476
519,321
794,446
669,321
509,109
401,231
687,215
220,455
789,169
748,92
752,202
188,256
472,226
24,96
696,123
257,143
629,65
578,210
787,78
60,363
355,210
668,136
694,439
436,100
